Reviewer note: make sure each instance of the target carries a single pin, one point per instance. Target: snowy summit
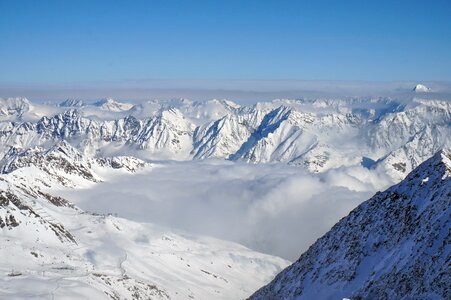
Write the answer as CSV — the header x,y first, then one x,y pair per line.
x,y
420,88
393,246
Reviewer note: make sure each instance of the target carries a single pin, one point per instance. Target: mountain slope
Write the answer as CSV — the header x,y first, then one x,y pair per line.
x,y
394,246
52,249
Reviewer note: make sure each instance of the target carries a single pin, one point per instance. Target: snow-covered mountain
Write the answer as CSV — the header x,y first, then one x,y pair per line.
x,y
109,104
52,249
64,164
318,135
394,246
421,88
14,107
71,102
55,249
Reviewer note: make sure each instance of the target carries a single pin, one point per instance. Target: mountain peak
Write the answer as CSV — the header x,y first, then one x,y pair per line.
x,y
72,102
421,88
393,246
438,166
446,157
226,103
112,105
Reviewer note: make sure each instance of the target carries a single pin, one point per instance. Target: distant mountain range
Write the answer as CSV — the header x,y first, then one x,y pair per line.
x,y
392,135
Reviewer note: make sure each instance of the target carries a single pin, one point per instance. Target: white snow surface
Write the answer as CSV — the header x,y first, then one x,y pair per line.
x,y
51,249
273,176
318,135
421,88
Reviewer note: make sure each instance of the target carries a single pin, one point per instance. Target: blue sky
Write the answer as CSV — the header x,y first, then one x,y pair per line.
x,y
56,42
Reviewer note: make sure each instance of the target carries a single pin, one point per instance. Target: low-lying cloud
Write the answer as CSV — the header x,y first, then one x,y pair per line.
x,y
273,208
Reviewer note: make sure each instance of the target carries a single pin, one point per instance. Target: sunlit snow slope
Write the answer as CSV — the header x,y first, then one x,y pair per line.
x,y
50,249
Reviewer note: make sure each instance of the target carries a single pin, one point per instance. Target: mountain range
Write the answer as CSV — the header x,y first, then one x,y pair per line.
x,y
317,135
393,246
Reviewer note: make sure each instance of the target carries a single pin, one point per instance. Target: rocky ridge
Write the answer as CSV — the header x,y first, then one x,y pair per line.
x,y
394,246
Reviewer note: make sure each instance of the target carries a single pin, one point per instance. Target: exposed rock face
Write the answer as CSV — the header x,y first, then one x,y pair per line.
x,y
394,246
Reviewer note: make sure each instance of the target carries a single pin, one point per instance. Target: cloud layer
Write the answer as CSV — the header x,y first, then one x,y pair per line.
x,y
272,208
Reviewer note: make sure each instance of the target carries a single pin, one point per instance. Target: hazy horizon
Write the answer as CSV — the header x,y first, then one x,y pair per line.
x,y
241,91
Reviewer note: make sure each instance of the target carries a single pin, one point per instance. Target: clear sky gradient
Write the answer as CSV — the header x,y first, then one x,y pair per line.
x,y
55,42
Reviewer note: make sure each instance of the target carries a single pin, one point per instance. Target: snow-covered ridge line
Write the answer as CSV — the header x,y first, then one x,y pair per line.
x,y
393,246
316,134
66,165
